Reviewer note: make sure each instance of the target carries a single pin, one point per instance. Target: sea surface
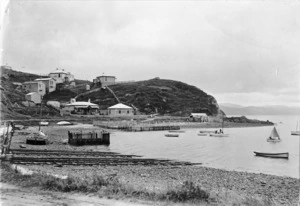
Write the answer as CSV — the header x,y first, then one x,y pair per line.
x,y
230,153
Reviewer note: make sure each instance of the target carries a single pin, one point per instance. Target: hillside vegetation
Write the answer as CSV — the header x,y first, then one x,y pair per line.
x,y
157,96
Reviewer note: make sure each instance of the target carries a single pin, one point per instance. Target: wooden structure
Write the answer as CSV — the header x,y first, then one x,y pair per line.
x,y
6,136
88,138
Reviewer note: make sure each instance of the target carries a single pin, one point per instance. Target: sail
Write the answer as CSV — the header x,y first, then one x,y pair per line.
x,y
274,134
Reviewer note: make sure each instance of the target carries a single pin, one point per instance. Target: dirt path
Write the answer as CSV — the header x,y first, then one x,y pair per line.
x,y
15,195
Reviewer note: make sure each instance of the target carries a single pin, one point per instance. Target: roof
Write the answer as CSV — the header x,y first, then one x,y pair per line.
x,y
58,71
199,114
106,76
32,82
44,79
120,106
83,104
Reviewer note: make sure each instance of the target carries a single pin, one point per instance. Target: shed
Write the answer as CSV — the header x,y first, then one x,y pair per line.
x,y
120,109
34,97
201,117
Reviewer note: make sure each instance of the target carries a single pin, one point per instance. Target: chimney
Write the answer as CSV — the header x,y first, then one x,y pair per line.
x,y
73,100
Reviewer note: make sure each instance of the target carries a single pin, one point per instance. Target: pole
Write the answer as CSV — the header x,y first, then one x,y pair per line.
x,y
41,113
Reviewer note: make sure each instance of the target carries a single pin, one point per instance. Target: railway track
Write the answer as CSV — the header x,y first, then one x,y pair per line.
x,y
81,158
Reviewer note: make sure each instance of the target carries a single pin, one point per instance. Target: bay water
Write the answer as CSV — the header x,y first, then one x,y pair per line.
x,y
230,153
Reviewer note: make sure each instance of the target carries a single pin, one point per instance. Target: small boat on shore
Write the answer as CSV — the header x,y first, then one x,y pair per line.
x,y
274,136
273,155
172,135
202,134
206,131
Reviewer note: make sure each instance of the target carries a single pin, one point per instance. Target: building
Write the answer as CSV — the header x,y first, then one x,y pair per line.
x,y
120,109
61,76
199,117
34,97
50,84
35,86
80,108
105,80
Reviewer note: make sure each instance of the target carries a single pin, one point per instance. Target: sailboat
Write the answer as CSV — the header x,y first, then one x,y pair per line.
x,y
297,132
274,136
221,133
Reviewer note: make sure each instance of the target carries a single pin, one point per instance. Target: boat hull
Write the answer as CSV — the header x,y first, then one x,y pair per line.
x,y
284,155
295,132
172,135
219,135
202,134
273,140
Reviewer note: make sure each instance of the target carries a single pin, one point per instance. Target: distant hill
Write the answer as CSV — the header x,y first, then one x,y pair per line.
x,y
231,109
153,96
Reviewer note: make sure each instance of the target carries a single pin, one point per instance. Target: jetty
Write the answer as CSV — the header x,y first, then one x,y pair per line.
x,y
136,127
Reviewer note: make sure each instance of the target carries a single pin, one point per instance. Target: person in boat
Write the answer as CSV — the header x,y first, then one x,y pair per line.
x,y
221,131
216,132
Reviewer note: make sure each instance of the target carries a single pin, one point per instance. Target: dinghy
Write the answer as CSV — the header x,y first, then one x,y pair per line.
x,y
273,155
274,136
296,132
172,135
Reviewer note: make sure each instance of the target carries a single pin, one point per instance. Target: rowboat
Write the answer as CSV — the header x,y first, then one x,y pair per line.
x,y
218,135
202,134
206,131
177,131
273,155
274,136
172,135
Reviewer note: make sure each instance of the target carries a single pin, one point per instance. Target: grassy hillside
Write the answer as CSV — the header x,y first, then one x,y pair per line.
x,y
157,95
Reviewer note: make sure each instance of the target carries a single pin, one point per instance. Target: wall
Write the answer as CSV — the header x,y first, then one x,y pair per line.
x,y
35,97
121,112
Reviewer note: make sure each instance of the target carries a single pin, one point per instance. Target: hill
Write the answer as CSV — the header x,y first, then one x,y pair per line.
x,y
231,109
157,96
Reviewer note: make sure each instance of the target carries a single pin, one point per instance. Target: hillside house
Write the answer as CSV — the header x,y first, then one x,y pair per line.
x,y
50,84
35,86
80,108
61,76
34,97
120,110
105,80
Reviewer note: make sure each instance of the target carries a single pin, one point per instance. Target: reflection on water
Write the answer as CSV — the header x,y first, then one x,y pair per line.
x,y
233,153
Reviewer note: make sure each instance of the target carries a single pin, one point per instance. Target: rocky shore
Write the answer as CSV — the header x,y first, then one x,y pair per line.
x,y
227,187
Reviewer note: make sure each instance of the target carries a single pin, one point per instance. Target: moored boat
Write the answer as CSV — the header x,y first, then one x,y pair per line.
x,y
172,135
274,136
273,155
202,134
296,132
218,135
177,131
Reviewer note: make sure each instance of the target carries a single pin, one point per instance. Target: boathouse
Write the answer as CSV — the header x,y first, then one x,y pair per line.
x,y
120,109
199,117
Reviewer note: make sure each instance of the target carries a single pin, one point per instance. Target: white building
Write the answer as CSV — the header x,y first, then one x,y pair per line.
x,y
50,84
105,80
61,76
35,86
120,109
34,97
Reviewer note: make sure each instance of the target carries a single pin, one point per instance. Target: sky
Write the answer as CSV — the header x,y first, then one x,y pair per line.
x,y
243,53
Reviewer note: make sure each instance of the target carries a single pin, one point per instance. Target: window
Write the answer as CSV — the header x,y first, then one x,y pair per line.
x,y
119,111
106,79
58,75
127,111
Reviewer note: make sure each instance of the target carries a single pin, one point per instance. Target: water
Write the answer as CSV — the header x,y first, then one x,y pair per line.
x,y
231,153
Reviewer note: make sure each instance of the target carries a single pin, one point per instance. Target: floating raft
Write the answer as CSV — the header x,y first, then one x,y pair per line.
x,y
88,138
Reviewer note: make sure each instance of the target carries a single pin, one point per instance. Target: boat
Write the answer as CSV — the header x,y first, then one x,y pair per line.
x,y
172,135
219,133
297,132
273,155
177,131
202,134
44,123
206,131
274,136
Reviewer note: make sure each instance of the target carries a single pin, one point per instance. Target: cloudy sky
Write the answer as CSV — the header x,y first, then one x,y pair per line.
x,y
245,53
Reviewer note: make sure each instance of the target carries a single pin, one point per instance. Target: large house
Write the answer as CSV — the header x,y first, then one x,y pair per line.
x,y
50,84
105,80
75,107
61,76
